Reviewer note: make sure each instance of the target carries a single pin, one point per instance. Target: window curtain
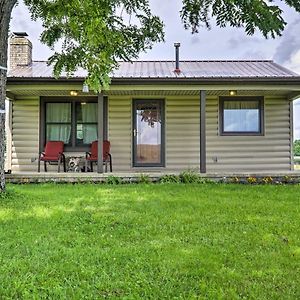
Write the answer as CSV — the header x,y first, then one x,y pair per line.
x,y
241,116
58,113
89,115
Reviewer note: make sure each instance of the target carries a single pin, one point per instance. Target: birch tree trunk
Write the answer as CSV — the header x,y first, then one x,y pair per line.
x,y
6,7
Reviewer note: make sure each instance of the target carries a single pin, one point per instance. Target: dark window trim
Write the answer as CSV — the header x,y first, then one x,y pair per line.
x,y
69,148
163,140
260,132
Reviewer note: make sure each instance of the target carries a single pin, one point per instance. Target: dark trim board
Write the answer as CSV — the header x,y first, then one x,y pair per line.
x,y
202,131
100,130
280,81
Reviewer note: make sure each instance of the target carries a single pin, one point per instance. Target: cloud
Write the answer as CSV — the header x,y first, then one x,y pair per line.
x,y
242,41
290,43
253,54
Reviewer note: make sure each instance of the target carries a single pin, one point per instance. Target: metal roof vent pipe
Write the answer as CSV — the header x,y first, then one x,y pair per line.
x,y
177,46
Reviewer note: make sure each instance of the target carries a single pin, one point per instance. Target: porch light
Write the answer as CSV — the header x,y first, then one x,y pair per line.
x,y
232,93
85,88
73,93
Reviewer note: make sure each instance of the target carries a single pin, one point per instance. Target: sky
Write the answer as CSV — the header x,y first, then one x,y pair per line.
x,y
217,43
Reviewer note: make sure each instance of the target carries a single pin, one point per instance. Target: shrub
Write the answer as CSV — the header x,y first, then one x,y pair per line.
x,y
169,179
252,180
190,177
113,180
143,178
297,148
267,180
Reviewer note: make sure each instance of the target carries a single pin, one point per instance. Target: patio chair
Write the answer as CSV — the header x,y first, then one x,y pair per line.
x,y
92,156
53,153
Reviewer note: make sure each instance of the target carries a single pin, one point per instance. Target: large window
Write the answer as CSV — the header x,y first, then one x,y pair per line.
x,y
75,122
241,115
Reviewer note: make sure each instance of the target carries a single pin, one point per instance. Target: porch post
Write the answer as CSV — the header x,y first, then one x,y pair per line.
x,y
202,132
100,133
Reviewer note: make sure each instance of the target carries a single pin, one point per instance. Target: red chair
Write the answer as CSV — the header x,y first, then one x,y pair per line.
x,y
53,153
93,155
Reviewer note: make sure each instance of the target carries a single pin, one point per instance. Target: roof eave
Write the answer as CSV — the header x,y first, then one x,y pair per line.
x,y
147,80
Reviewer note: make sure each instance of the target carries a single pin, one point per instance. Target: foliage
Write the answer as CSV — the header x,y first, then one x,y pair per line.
x,y
95,34
150,242
144,178
297,148
190,177
169,178
254,15
111,179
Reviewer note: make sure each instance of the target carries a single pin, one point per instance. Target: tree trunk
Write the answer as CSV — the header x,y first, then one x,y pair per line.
x,y
6,7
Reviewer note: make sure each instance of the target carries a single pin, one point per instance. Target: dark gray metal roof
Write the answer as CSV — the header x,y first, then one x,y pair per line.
x,y
251,69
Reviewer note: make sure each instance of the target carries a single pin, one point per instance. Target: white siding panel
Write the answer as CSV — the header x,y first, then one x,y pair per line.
x,y
119,132
25,134
270,152
182,133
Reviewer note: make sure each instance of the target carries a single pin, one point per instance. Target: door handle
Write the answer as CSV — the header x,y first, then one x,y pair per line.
x,y
135,132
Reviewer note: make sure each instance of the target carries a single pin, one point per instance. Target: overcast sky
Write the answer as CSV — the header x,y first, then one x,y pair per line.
x,y
228,43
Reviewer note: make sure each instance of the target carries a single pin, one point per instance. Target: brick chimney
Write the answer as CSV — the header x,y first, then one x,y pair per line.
x,y
20,50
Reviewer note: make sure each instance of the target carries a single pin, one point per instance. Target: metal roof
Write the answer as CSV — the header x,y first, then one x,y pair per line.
x,y
260,69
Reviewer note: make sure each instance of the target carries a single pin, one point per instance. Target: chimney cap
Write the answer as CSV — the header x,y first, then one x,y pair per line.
x,y
20,34
177,44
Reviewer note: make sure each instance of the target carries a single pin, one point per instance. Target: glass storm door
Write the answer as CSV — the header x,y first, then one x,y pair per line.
x,y
148,125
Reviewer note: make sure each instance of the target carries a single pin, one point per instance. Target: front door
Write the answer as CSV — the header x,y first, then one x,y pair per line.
x,y
148,129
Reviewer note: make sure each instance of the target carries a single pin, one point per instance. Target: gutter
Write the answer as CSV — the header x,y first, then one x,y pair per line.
x,y
176,81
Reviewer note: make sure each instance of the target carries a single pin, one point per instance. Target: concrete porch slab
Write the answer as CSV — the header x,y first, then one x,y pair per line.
x,y
34,177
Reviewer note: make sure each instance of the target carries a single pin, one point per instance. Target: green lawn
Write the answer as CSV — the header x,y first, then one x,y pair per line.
x,y
150,241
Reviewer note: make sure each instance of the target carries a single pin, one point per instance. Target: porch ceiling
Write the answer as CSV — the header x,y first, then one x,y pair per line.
x,y
156,93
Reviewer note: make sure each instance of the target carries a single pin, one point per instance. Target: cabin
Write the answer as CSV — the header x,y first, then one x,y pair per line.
x,y
163,116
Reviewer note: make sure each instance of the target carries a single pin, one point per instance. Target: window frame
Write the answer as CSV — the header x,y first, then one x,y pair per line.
x,y
73,100
260,100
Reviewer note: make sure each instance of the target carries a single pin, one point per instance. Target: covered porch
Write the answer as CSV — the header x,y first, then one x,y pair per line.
x,y
191,128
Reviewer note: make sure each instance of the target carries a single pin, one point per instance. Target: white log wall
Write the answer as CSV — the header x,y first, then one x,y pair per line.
x,y
119,132
25,134
270,152
182,133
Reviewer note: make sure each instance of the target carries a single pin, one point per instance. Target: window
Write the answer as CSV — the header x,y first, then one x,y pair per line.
x,y
241,115
58,122
75,122
86,123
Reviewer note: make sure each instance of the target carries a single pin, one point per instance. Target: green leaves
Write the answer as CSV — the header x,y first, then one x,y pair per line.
x,y
252,15
96,34
297,148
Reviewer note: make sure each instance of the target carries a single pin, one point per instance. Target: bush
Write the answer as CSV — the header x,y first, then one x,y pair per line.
x,y
113,180
144,179
169,179
190,177
297,148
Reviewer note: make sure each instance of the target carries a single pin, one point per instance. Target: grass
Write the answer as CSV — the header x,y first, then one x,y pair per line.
x,y
169,241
